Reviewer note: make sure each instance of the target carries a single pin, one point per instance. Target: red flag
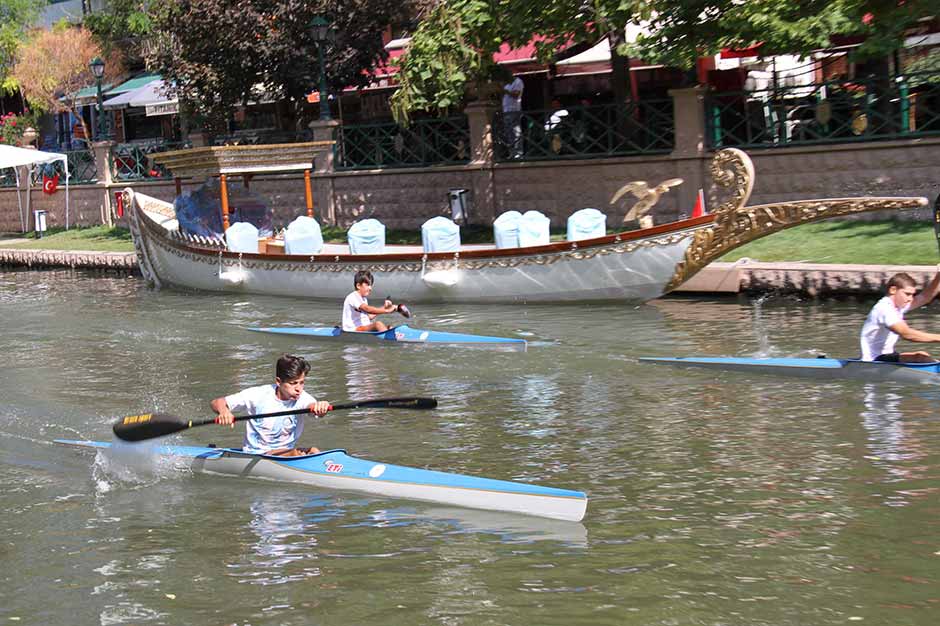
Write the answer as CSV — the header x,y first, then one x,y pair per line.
x,y
50,183
699,209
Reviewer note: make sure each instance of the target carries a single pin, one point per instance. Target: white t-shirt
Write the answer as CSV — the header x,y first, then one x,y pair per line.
x,y
353,318
270,433
877,338
510,103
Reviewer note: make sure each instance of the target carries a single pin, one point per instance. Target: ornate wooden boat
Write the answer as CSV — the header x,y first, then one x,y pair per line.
x,y
334,469
822,369
635,266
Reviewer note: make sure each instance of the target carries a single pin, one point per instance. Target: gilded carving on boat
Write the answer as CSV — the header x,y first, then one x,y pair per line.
x,y
736,225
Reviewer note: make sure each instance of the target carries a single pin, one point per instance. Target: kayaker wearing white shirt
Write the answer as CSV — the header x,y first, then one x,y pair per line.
x,y
885,322
274,435
358,314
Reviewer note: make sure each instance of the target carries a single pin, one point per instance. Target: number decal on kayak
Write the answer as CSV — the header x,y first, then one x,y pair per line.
x,y
333,467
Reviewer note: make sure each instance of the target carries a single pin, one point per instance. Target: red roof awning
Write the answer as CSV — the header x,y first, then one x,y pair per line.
x,y
740,53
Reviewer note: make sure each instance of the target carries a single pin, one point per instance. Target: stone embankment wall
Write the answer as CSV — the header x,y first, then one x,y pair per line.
x,y
123,262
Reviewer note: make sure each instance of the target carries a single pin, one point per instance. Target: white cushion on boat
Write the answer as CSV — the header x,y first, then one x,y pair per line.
x,y
303,236
366,237
242,237
586,224
506,229
533,229
440,234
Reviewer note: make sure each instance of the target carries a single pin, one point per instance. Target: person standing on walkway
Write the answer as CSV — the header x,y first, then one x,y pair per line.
x,y
885,323
512,116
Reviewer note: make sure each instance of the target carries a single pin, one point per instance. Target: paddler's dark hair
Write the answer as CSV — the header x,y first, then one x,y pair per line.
x,y
362,276
900,280
290,367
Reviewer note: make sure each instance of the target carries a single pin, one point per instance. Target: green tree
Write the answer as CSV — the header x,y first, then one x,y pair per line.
x,y
123,27
455,41
219,52
16,18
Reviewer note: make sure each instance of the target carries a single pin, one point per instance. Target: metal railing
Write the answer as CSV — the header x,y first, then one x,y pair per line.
x,y
134,161
644,127
832,112
436,141
81,168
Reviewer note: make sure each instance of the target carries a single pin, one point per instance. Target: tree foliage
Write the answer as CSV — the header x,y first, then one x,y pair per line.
x,y
219,51
16,17
52,66
456,40
123,28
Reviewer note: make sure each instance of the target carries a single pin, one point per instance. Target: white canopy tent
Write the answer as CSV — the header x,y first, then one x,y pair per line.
x,y
27,159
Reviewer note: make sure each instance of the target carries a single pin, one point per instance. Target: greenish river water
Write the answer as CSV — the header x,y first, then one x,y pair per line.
x,y
716,499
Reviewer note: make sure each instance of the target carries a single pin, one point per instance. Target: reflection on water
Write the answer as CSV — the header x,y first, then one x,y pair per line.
x,y
714,498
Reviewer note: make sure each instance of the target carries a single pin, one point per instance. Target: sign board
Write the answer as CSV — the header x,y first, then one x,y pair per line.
x,y
162,108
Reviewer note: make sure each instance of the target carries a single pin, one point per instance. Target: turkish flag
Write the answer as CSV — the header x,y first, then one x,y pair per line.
x,y
50,183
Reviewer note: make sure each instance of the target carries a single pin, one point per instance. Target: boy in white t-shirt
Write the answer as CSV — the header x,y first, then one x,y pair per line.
x,y
358,314
274,435
885,322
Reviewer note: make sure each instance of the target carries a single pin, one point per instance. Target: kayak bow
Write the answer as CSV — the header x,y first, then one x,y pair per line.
x,y
819,369
334,469
397,334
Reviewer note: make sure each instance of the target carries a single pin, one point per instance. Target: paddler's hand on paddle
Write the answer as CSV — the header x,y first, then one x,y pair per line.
x,y
224,415
389,306
320,408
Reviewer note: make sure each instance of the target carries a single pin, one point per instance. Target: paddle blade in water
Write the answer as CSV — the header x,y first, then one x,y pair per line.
x,y
148,426
404,311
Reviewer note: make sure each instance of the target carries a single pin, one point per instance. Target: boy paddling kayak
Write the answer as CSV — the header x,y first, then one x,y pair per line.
x,y
885,323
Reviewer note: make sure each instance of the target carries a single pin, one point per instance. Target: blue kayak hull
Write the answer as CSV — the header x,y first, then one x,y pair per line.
x,y
819,369
335,469
397,334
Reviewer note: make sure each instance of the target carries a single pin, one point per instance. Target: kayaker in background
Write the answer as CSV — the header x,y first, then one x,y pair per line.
x,y
274,435
885,322
358,314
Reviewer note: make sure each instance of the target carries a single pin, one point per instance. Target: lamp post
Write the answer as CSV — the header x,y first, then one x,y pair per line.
x,y
96,66
322,34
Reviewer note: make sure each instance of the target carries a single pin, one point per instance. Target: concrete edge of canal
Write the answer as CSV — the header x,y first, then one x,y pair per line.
x,y
809,279
121,262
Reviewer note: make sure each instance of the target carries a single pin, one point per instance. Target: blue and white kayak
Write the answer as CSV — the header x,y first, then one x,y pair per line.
x,y
396,334
819,368
334,469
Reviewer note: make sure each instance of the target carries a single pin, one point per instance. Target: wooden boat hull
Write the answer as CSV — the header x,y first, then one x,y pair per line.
x,y
396,334
634,266
816,369
334,469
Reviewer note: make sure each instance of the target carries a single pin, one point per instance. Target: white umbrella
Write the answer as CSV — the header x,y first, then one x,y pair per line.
x,y
11,156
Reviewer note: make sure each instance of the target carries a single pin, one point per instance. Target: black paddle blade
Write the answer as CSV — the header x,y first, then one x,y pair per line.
x,y
404,311
148,426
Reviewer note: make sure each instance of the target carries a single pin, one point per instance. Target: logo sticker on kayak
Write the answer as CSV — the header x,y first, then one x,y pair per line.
x,y
333,467
377,470
399,336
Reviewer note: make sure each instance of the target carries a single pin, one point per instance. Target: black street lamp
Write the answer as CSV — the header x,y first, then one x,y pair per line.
x,y
96,66
322,34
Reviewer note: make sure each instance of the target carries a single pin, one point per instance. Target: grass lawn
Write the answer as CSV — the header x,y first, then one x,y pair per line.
x,y
878,243
95,239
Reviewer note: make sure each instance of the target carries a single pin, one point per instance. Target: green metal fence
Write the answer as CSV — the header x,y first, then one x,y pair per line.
x,y
437,141
135,161
645,127
81,170
831,112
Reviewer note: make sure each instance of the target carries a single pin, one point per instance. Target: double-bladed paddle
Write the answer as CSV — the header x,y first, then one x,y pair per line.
x,y
151,425
401,308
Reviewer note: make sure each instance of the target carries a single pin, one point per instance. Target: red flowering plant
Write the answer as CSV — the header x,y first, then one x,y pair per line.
x,y
12,126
